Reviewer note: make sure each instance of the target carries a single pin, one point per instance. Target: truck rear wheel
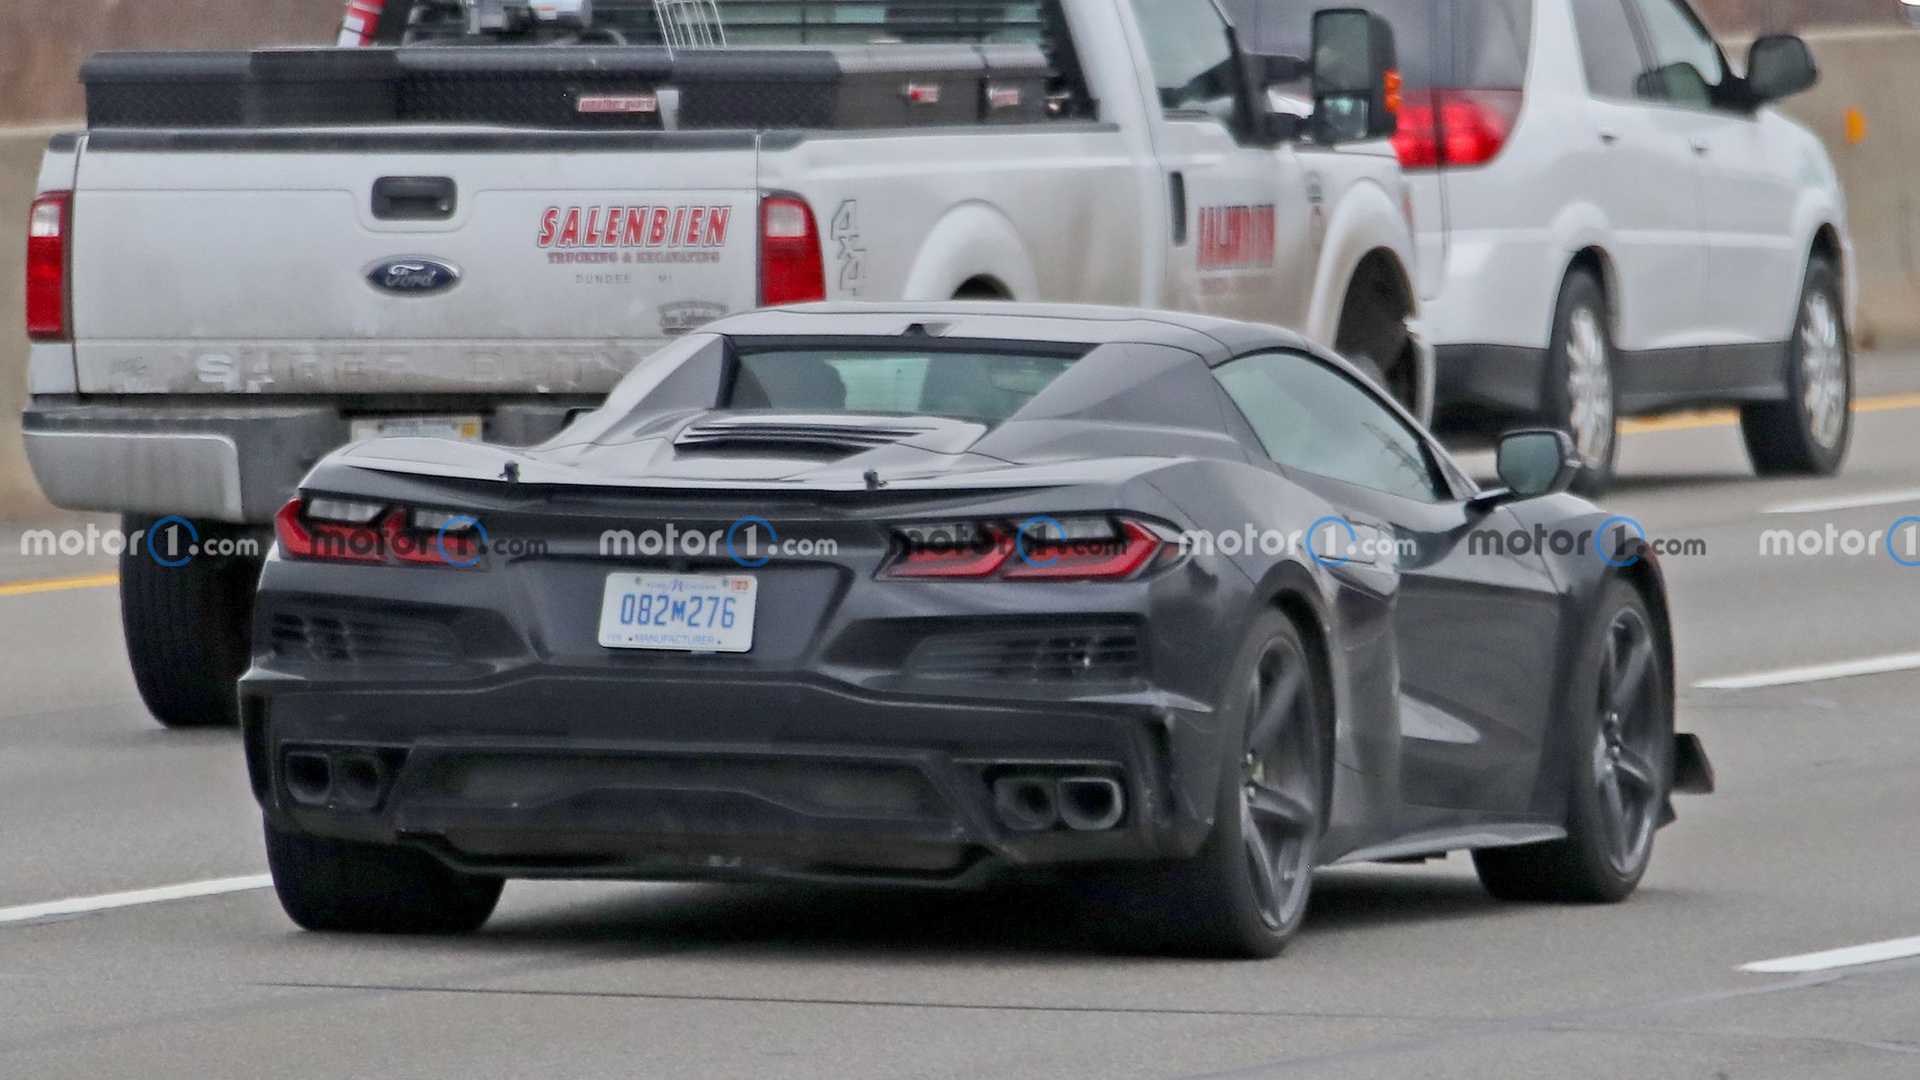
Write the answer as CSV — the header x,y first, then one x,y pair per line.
x,y
188,628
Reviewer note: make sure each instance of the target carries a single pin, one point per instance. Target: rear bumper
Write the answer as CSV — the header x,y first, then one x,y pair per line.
x,y
212,461
566,775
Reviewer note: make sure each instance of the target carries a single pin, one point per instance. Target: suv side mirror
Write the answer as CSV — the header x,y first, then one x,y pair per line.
x,y
1356,76
1533,463
1779,65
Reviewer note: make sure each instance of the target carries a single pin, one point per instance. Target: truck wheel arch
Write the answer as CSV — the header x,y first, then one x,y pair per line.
x,y
1364,224
1379,286
972,252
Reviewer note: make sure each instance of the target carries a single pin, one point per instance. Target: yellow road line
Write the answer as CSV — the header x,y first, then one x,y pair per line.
x,y
1680,422
27,588
1713,418
1888,403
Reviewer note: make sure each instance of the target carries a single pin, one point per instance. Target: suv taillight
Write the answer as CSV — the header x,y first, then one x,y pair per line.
x,y
49,224
1037,549
1454,127
792,267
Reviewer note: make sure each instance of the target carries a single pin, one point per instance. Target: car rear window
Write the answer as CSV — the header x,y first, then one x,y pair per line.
x,y
988,387
1483,46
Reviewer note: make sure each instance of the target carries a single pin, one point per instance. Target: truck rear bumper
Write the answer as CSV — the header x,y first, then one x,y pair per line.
x,y
235,465
207,462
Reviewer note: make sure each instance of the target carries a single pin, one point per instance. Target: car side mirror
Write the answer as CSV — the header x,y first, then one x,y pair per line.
x,y
1356,76
1779,66
1532,464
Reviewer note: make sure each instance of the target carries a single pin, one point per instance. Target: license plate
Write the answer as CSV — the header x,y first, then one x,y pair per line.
x,y
459,428
679,612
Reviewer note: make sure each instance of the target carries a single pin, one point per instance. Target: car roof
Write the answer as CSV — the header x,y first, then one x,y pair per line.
x,y
1214,339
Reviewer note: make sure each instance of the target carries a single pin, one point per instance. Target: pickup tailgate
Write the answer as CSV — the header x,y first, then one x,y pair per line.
x,y
402,261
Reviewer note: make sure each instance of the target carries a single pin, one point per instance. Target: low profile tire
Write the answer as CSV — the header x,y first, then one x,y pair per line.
x,y
1619,769
1581,396
1808,434
188,629
1245,894
343,887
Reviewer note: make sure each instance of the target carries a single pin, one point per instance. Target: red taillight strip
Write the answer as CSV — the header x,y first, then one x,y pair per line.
x,y
49,225
1008,558
387,541
973,561
1133,550
325,541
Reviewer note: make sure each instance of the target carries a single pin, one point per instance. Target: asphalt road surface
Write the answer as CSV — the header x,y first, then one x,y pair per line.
x,y
108,968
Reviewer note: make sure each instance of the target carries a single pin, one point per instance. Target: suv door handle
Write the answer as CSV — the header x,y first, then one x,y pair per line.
x,y
1609,136
414,198
1701,147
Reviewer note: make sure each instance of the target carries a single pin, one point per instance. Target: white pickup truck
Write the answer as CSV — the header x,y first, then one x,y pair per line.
x,y
251,258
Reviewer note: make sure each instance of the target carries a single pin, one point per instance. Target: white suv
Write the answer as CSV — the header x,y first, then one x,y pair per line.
x,y
1611,222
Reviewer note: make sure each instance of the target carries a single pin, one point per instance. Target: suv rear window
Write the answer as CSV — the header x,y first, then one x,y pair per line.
x,y
988,387
1484,46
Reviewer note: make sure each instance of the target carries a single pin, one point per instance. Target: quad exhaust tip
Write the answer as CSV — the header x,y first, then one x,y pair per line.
x,y
1030,803
348,780
1026,803
1091,803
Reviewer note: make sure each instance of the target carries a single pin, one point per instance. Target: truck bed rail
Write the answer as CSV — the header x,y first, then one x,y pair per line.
x,y
584,87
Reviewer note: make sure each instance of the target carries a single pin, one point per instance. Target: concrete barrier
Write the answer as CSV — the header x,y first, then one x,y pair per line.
x,y
1874,71
1878,73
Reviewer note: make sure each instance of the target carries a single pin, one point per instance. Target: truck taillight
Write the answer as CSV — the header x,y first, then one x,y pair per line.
x,y
1038,549
361,24
1454,127
48,226
792,267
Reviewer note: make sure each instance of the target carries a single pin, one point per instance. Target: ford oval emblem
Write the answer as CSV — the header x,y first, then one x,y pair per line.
x,y
413,276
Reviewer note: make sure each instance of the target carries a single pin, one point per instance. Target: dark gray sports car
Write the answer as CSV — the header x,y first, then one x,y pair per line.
x,y
921,594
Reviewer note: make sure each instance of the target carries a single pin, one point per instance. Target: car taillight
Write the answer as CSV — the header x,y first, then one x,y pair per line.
x,y
1418,139
1114,559
1454,127
337,530
1037,549
48,226
792,267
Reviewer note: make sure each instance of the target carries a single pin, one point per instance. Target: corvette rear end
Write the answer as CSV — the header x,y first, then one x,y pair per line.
x,y
899,716
780,645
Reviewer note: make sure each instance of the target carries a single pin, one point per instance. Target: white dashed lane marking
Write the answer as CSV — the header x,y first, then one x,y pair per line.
x,y
1853,956
1845,669
54,909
